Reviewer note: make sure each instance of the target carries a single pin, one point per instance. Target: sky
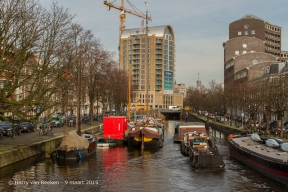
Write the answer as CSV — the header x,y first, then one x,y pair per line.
x,y
200,28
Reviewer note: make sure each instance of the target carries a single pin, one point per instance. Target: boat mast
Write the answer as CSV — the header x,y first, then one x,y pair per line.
x,y
146,60
129,92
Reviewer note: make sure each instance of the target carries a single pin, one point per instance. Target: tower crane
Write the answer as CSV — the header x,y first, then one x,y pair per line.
x,y
121,29
123,16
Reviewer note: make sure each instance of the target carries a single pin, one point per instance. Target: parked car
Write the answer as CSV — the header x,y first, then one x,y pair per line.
x,y
95,117
85,118
211,116
71,120
219,118
27,127
57,119
205,113
8,127
1,132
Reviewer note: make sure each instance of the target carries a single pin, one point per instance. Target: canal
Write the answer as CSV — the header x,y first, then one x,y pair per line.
x,y
121,169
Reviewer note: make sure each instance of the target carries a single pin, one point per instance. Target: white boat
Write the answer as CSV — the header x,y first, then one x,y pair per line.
x,y
105,144
271,143
255,137
284,147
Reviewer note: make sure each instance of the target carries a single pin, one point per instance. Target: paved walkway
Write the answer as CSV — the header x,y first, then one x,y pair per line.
x,y
7,143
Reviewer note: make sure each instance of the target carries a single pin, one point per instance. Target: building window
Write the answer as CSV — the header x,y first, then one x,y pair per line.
x,y
236,52
244,52
253,32
239,33
246,33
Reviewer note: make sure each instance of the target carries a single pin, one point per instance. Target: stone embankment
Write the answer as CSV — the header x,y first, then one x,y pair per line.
x,y
30,144
215,125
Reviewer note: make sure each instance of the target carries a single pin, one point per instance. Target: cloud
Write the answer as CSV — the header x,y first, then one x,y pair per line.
x,y
200,27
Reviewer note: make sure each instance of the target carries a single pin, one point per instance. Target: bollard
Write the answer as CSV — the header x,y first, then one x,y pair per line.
x,y
101,131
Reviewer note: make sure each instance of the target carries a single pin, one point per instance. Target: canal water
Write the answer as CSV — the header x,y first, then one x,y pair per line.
x,y
121,169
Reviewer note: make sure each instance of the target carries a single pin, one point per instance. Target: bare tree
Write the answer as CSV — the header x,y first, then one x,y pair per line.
x,y
279,101
32,40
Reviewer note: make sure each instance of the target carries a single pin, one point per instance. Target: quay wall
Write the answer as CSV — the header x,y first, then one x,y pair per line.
x,y
215,125
20,153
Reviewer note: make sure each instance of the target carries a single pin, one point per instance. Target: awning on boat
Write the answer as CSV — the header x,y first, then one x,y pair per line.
x,y
72,141
146,132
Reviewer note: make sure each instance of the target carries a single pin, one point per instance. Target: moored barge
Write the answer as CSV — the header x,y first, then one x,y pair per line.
x,y
147,134
202,151
271,162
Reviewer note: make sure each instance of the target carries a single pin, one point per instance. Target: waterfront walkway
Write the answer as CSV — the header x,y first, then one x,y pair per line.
x,y
30,144
33,137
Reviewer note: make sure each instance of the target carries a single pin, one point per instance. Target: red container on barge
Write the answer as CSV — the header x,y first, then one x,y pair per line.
x,y
114,127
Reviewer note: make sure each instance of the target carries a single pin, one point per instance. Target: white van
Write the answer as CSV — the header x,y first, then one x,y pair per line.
x,y
173,108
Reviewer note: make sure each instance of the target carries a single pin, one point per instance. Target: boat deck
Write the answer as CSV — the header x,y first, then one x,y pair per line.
x,y
261,149
187,128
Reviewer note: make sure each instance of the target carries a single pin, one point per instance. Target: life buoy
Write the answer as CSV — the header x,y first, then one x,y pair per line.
x,y
230,136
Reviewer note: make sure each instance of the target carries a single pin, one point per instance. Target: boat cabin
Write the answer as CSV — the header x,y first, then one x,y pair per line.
x,y
182,128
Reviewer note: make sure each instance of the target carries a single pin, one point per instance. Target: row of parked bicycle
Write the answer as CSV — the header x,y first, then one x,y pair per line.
x,y
273,127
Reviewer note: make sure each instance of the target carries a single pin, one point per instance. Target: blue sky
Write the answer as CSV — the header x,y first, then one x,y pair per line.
x,y
200,27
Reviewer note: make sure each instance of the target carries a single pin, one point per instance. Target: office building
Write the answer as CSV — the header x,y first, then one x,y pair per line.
x,y
161,65
253,44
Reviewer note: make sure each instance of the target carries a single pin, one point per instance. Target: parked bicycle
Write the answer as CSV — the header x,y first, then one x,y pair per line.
x,y
45,131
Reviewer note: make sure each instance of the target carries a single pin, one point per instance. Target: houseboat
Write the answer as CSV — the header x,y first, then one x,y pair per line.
x,y
258,155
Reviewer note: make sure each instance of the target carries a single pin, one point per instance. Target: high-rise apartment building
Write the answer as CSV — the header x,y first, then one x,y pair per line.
x,y
161,65
253,44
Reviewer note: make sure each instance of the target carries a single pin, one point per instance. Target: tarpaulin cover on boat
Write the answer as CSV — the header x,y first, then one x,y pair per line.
x,y
72,141
146,132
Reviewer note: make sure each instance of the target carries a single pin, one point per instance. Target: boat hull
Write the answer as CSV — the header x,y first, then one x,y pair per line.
x,y
206,161
268,167
184,149
76,154
113,142
135,142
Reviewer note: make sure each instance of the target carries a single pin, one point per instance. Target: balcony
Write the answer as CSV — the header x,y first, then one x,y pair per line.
x,y
136,42
158,41
136,47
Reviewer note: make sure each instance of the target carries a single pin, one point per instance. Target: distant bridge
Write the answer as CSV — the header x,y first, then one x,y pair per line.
x,y
169,115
